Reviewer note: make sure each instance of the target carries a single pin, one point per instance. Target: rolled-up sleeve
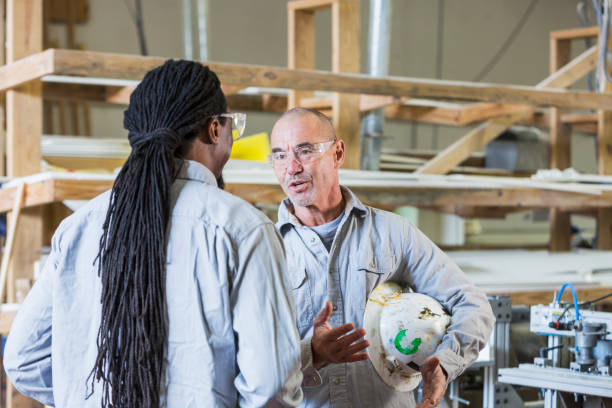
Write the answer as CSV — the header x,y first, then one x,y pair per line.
x,y
263,315
433,273
27,354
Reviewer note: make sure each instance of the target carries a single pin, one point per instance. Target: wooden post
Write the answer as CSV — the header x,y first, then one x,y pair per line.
x,y
24,20
346,58
604,157
2,96
301,47
604,165
560,149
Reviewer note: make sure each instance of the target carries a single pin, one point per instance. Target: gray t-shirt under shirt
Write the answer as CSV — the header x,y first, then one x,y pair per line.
x,y
327,232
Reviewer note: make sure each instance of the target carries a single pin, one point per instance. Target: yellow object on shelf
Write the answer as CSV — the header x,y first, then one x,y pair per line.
x,y
254,147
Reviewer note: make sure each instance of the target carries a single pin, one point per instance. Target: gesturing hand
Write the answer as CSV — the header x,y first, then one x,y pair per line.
x,y
434,383
334,345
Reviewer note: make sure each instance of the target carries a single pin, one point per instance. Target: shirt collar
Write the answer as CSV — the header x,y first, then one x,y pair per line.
x,y
192,170
287,218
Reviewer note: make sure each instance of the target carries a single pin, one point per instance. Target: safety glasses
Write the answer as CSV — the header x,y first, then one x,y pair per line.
x,y
238,123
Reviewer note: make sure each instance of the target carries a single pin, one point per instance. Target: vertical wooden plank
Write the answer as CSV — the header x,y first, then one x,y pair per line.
x,y
24,130
346,58
604,161
24,22
604,166
560,150
2,96
301,47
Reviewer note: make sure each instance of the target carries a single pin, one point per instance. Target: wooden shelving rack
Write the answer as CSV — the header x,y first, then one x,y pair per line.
x,y
495,106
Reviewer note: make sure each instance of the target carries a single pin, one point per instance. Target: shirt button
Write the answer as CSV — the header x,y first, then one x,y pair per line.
x,y
336,381
334,308
312,240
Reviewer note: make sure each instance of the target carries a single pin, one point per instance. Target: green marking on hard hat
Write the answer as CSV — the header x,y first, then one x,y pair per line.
x,y
406,350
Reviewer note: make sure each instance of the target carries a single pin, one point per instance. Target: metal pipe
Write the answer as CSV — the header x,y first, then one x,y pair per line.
x,y
188,29
203,29
378,65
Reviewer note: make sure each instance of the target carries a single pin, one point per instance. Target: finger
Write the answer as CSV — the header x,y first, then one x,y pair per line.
x,y
333,334
349,339
323,315
356,357
429,402
362,345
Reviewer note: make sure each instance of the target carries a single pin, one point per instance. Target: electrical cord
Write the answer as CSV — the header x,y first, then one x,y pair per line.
x,y
590,302
136,15
545,350
506,44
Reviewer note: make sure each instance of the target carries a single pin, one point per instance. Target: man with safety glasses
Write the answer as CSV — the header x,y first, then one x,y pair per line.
x,y
338,251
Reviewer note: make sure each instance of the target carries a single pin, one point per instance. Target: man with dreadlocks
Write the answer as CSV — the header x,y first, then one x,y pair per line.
x,y
166,290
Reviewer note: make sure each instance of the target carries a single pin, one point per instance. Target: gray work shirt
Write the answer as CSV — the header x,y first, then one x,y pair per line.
x,y
232,338
372,246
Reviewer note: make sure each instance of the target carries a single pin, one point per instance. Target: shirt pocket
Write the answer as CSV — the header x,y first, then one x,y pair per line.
x,y
373,269
302,293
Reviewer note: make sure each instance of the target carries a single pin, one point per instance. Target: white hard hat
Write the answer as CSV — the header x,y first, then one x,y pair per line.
x,y
403,328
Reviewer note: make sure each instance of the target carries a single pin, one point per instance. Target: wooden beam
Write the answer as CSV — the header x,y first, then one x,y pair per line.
x,y
54,190
2,96
604,142
369,103
432,195
265,102
311,5
544,297
26,69
426,114
479,212
301,46
575,33
604,162
480,112
96,64
73,92
483,134
468,144
24,129
346,59
560,149
475,160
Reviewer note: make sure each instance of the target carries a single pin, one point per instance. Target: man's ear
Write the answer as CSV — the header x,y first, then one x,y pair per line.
x,y
339,153
212,132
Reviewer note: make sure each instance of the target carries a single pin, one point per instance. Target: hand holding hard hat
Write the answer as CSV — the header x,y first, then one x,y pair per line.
x,y
404,330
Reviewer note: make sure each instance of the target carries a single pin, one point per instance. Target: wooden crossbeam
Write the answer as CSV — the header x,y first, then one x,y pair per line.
x,y
483,134
26,70
106,65
443,114
448,198
575,33
311,5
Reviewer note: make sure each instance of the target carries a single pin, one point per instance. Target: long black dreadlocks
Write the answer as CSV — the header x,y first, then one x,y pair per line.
x,y
168,110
